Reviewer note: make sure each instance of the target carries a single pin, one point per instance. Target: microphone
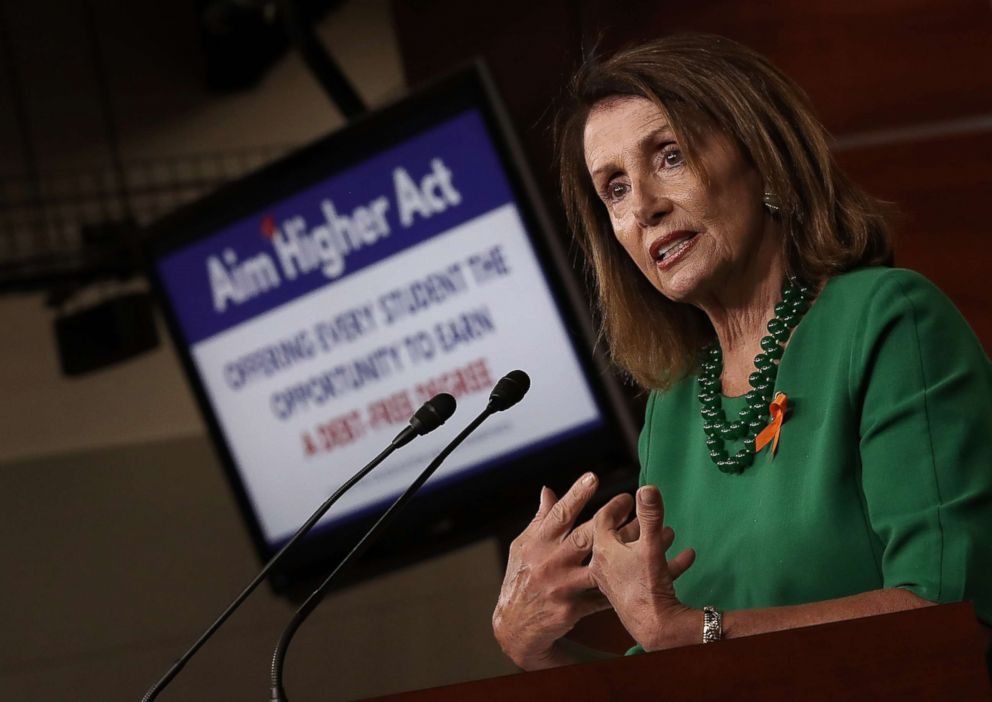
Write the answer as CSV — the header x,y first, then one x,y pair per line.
x,y
508,391
429,417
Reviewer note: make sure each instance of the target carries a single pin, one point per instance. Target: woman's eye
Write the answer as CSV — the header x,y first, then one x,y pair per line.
x,y
616,190
672,157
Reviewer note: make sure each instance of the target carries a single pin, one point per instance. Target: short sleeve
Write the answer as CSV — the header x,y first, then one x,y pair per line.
x,y
924,388
643,450
644,440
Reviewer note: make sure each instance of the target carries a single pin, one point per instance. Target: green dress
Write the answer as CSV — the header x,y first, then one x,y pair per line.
x,y
883,474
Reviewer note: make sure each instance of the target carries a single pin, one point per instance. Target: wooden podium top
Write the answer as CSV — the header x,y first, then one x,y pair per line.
x,y
935,653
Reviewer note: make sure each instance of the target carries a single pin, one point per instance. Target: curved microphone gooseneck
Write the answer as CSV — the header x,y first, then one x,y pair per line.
x,y
508,391
429,417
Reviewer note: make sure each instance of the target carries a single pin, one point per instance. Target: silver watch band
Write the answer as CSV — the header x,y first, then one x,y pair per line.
x,y
712,624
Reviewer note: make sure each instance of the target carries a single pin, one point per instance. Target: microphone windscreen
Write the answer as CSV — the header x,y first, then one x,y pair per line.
x,y
433,413
509,390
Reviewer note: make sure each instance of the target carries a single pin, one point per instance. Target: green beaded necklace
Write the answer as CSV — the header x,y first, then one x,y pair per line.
x,y
753,417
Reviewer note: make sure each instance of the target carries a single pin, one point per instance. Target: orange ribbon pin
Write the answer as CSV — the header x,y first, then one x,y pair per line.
x,y
772,431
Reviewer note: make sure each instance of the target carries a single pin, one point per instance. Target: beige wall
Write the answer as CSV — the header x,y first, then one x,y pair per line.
x,y
116,559
120,539
43,413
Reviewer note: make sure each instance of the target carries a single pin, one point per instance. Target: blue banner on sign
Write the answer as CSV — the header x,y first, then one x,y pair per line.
x,y
396,199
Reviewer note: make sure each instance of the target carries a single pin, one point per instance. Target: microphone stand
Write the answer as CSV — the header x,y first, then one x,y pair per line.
x,y
428,418
278,694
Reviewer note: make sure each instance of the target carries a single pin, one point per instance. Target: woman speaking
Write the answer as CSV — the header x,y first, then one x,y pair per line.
x,y
816,444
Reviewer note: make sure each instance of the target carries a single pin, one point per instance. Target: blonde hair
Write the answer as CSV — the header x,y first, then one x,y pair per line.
x,y
706,83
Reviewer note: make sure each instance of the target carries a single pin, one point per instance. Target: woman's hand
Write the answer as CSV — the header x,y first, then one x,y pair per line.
x,y
635,576
547,588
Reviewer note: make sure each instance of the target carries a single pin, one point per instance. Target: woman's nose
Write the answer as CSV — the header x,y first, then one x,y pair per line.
x,y
651,204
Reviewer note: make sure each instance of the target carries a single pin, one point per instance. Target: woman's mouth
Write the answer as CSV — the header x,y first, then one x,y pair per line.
x,y
667,251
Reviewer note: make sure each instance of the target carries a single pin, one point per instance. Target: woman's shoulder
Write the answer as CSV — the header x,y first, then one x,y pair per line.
x,y
867,283
878,306
876,295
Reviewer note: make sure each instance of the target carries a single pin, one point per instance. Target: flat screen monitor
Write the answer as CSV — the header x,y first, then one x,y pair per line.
x,y
318,303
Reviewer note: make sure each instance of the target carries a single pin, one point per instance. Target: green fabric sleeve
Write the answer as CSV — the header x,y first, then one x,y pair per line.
x,y
643,448
925,392
644,440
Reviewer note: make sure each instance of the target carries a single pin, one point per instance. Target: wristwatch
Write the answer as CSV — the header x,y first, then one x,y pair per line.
x,y
712,624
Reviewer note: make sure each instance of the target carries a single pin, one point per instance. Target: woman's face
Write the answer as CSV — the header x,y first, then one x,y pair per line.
x,y
690,237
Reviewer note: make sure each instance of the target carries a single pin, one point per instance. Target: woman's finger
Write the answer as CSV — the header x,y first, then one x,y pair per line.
x,y
630,531
667,538
681,562
547,501
578,581
611,516
651,513
559,519
579,542
589,603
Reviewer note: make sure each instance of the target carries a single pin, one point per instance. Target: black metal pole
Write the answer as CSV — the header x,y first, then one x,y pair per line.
x,y
323,66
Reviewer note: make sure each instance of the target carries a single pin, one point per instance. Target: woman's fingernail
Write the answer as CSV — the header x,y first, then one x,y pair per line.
x,y
588,479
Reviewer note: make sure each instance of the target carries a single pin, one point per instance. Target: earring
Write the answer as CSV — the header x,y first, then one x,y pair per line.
x,y
771,202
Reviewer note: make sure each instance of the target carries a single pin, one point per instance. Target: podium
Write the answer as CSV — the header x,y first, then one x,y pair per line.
x,y
935,653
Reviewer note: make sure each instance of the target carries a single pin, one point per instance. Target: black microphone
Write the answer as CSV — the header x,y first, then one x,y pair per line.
x,y
508,391
429,417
